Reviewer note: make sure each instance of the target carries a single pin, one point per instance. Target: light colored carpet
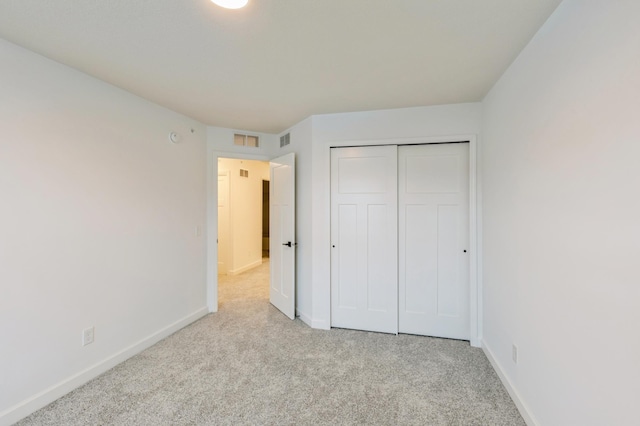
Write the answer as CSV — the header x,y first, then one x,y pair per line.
x,y
249,364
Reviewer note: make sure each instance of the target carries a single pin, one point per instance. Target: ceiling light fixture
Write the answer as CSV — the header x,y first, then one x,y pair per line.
x,y
231,4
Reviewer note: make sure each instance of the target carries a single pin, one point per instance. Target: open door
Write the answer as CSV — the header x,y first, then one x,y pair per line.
x,y
282,241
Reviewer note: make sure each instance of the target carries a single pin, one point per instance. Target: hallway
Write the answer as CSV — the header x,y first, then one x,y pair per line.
x,y
252,285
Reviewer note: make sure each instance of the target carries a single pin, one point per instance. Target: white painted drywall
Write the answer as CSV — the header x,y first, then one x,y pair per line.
x,y
98,227
562,217
423,124
245,213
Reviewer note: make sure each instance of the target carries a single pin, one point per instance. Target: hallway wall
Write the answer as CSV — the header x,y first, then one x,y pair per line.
x,y
244,248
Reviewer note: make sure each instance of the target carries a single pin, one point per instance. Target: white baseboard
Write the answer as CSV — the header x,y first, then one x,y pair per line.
x,y
304,318
313,323
513,393
320,324
47,396
246,267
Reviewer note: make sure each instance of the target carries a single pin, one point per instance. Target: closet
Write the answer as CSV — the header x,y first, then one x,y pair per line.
x,y
399,236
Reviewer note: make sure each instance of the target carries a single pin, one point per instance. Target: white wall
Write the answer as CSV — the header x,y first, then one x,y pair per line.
x,y
245,211
562,217
423,124
98,227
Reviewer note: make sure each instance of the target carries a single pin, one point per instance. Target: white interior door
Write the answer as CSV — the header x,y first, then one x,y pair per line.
x,y
364,286
433,197
282,238
223,223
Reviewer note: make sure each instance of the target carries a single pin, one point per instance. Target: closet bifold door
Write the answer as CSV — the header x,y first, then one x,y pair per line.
x,y
433,238
364,238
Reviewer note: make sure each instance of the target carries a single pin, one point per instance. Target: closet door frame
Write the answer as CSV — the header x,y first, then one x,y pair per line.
x,y
475,255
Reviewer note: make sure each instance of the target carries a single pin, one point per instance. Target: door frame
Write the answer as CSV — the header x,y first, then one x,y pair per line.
x,y
212,220
322,232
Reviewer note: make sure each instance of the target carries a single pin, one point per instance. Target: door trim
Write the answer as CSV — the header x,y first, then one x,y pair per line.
x,y
322,232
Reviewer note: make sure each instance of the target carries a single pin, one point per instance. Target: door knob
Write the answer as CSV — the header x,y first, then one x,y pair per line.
x,y
288,244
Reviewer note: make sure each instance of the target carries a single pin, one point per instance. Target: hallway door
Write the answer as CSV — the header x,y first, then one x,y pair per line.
x,y
282,234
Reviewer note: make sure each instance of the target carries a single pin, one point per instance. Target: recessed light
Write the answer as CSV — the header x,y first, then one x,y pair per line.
x,y
231,4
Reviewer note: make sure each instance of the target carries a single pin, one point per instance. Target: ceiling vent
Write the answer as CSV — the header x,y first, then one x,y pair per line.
x,y
285,140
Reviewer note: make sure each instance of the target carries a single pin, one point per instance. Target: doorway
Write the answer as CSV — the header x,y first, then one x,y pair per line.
x,y
282,238
241,228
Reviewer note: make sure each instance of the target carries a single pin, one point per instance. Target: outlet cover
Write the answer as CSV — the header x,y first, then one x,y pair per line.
x,y
87,336
514,354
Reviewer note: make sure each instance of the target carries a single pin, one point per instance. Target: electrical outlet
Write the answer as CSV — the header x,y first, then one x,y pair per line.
x,y
87,336
514,354
198,231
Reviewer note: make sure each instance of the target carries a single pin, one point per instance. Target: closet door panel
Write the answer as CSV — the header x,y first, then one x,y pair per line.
x,y
347,235
433,202
364,217
420,258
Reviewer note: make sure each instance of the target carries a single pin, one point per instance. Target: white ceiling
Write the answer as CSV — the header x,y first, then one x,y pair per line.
x,y
274,63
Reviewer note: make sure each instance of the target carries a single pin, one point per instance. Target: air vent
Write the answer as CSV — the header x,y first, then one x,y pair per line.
x,y
285,140
246,140
244,173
